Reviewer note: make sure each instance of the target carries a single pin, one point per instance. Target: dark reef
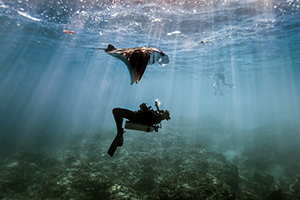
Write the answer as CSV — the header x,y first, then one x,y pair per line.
x,y
259,164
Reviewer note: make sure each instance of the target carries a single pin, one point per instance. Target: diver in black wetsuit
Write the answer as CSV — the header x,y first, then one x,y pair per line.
x,y
144,116
217,78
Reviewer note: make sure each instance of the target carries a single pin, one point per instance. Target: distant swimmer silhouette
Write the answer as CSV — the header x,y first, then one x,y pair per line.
x,y
136,59
217,78
145,119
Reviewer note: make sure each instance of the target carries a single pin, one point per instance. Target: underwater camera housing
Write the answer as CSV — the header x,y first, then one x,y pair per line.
x,y
144,127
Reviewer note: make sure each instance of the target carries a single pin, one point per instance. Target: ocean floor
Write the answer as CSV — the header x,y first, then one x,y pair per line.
x,y
262,163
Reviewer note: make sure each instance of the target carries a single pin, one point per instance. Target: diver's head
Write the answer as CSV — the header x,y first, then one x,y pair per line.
x,y
166,114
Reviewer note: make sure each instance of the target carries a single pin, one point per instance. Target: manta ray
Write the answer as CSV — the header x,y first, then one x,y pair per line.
x,y
136,59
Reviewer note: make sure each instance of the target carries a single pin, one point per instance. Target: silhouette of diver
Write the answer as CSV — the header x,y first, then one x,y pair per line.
x,y
217,78
145,116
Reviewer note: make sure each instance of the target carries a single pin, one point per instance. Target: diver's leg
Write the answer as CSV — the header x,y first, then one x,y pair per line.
x,y
228,84
119,114
223,81
215,87
221,92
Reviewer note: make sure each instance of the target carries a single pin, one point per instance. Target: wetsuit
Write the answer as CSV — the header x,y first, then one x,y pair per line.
x,y
143,116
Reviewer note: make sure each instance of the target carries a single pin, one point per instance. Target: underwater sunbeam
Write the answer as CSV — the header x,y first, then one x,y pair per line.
x,y
226,73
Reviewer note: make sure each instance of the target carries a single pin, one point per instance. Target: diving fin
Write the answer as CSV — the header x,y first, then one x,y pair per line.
x,y
118,141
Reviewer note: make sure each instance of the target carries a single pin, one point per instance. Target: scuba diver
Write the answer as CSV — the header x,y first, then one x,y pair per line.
x,y
217,78
145,119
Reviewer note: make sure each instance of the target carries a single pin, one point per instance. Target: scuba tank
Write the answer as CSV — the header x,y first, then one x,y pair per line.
x,y
144,127
138,127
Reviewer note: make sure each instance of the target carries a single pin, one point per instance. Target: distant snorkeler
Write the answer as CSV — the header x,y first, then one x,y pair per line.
x,y
136,59
217,78
145,119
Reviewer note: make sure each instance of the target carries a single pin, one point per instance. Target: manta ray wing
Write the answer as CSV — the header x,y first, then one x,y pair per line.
x,y
111,50
136,59
127,63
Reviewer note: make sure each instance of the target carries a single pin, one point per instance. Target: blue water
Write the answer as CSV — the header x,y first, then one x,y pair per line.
x,y
53,82
55,85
